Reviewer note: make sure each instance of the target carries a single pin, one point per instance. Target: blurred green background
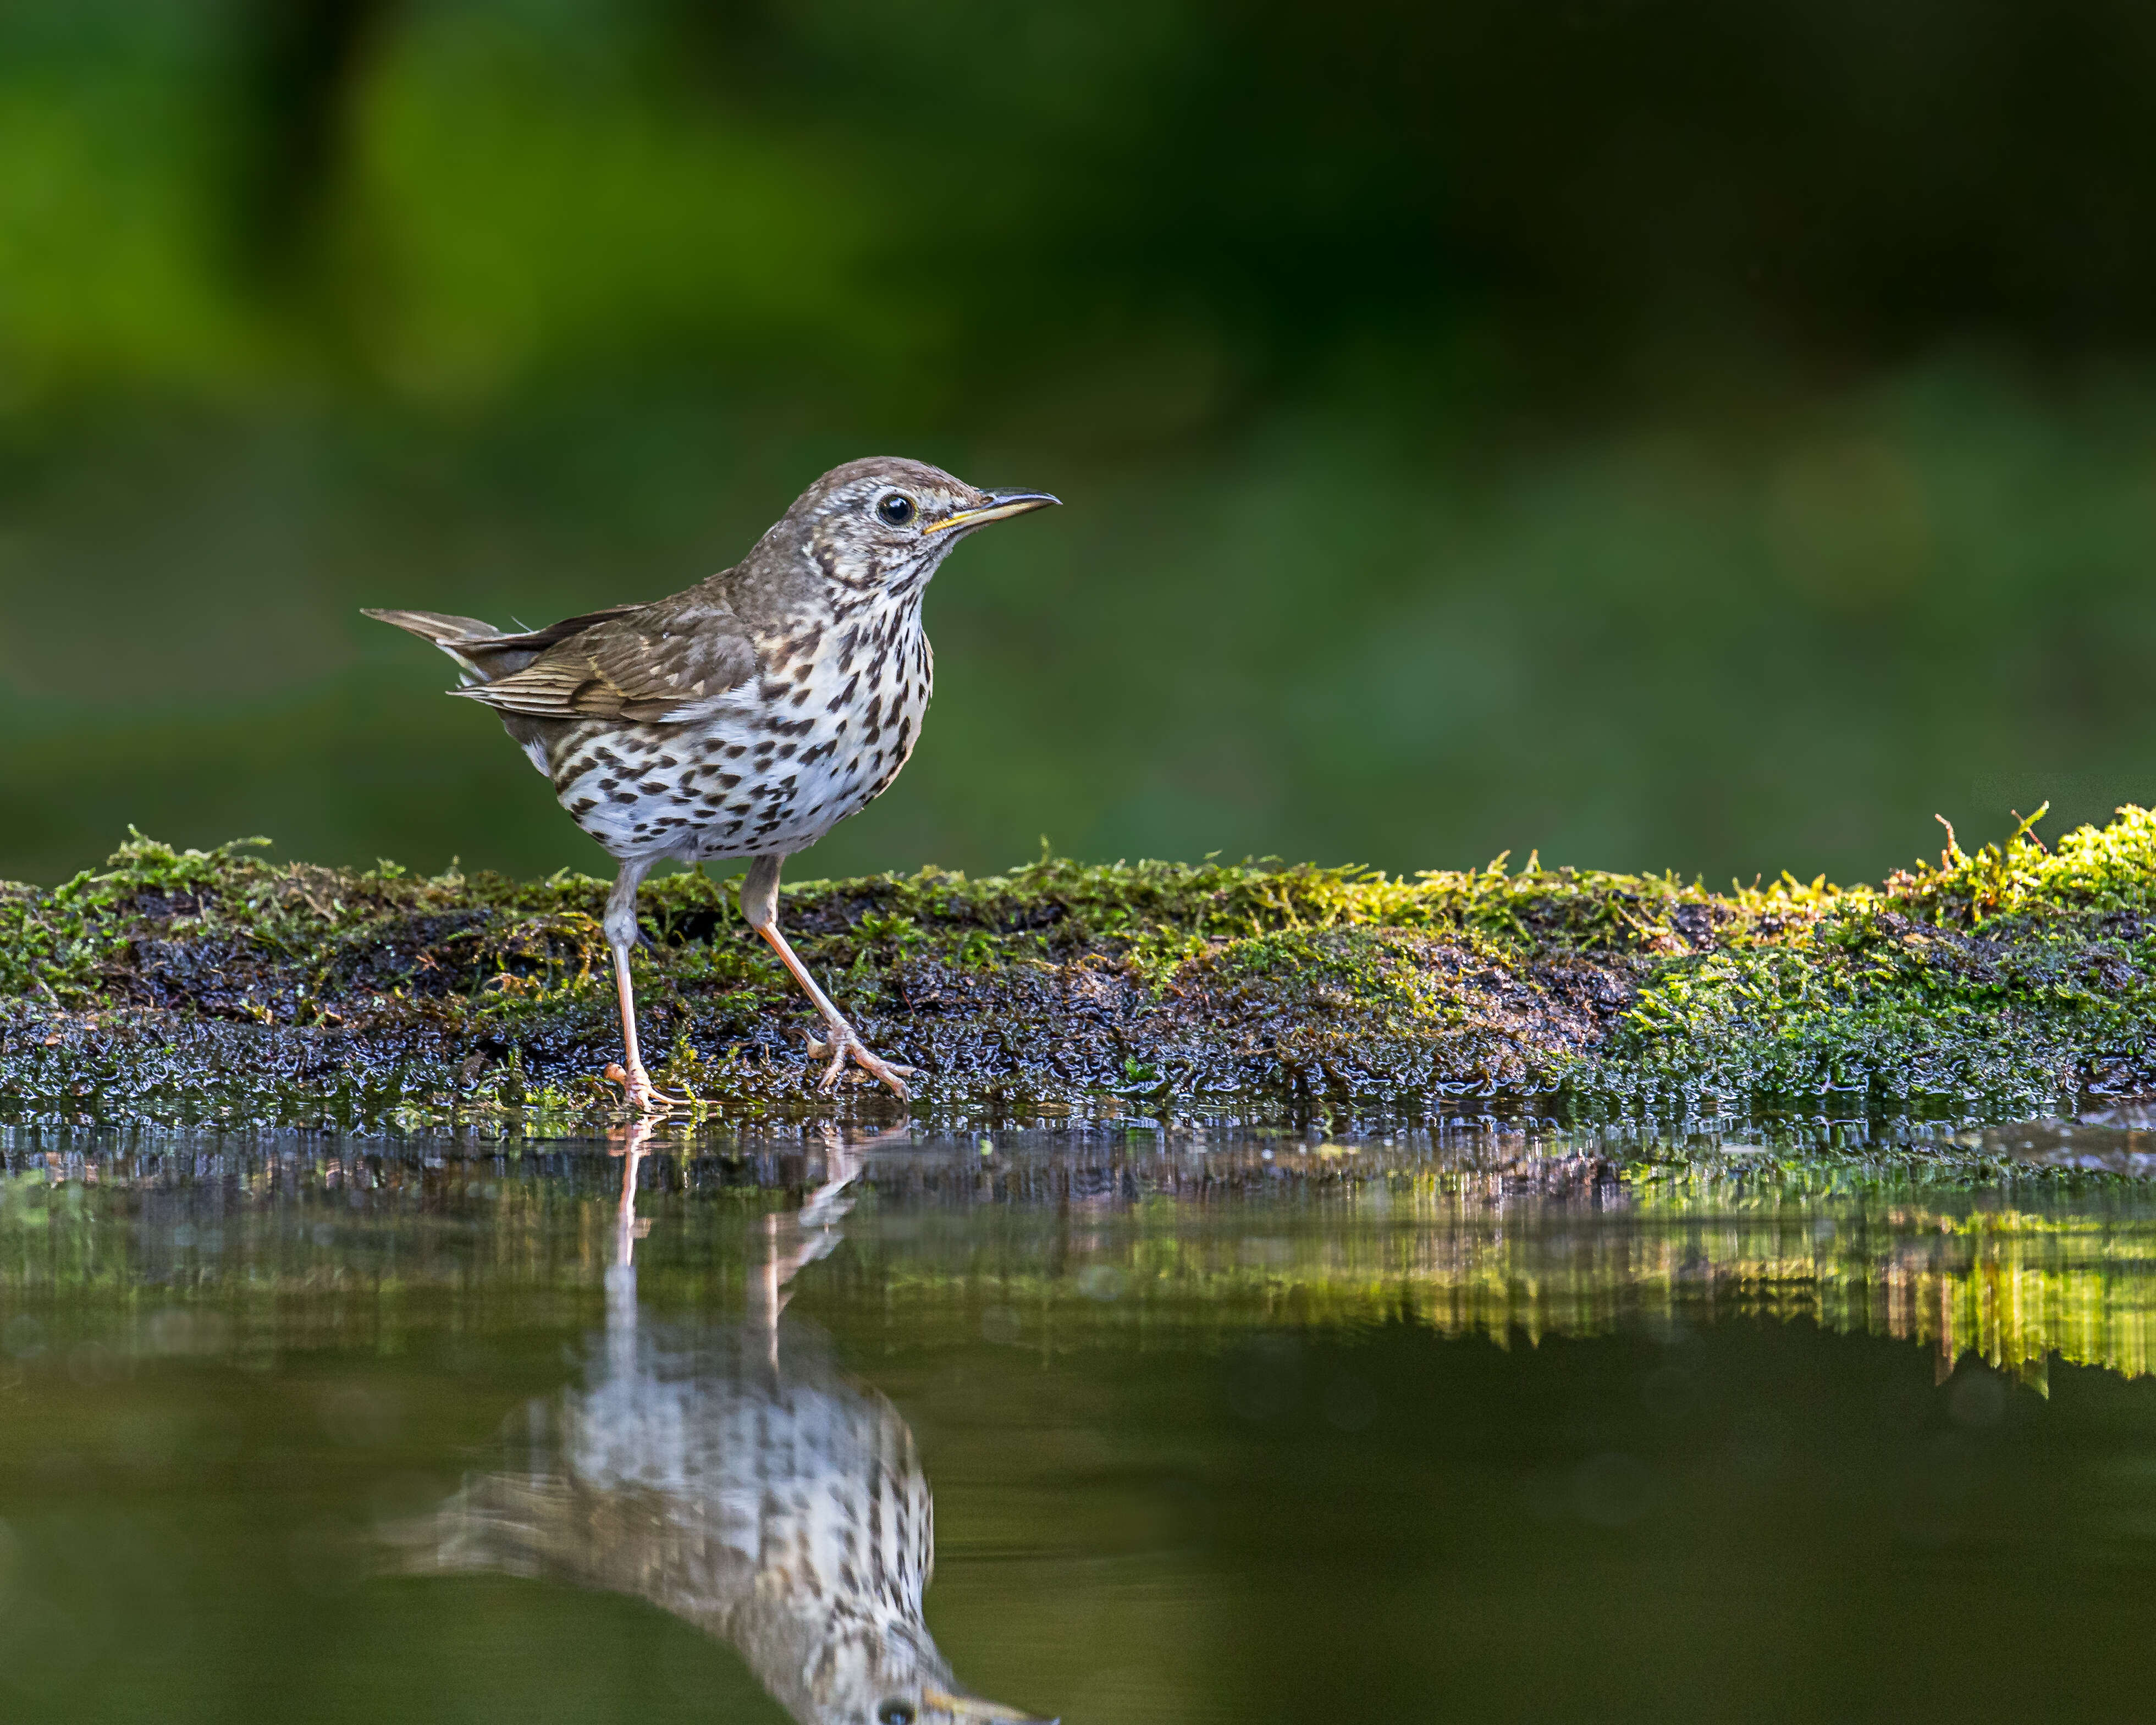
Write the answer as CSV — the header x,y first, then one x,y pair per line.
x,y
1656,432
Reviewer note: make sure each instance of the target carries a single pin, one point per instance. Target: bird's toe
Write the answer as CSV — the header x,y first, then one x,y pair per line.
x,y
643,1094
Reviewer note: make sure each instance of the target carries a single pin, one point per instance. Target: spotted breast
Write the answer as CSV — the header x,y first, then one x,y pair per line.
x,y
834,711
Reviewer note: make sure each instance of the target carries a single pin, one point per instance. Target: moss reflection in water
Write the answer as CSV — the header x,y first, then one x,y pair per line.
x,y
1078,1246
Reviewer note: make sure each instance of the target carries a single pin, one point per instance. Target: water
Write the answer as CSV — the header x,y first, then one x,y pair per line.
x,y
1229,1427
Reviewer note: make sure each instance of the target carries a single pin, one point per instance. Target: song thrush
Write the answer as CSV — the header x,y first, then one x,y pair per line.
x,y
745,716
733,1475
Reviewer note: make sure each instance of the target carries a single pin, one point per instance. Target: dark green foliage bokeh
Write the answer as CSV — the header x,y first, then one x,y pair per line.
x,y
1660,434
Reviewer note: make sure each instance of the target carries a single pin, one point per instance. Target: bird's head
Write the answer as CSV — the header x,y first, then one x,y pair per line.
x,y
885,523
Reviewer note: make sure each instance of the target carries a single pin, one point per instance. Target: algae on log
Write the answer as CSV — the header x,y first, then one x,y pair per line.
x,y
175,986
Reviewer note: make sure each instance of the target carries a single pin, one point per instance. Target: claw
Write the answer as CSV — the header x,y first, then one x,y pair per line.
x,y
643,1094
843,1047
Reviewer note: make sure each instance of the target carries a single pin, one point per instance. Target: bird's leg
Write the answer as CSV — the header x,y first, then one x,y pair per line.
x,y
621,1275
620,926
759,899
635,1146
823,1211
826,1207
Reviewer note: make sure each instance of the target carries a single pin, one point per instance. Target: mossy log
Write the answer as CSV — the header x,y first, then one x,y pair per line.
x,y
179,986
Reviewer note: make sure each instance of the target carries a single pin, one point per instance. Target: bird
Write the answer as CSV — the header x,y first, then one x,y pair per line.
x,y
743,718
734,1476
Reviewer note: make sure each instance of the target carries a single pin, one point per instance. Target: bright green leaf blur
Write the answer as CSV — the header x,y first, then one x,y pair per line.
x,y
1658,435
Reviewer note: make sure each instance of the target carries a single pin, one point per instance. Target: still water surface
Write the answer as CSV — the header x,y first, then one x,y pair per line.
x,y
1221,1426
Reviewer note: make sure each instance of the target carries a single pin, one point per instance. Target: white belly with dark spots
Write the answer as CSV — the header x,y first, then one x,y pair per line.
x,y
760,778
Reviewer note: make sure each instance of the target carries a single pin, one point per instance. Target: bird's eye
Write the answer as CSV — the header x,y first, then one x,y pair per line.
x,y
896,508
895,1713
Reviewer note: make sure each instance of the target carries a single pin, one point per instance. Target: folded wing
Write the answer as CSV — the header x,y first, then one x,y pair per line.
x,y
648,664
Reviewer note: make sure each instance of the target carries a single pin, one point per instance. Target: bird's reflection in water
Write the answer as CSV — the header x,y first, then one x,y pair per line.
x,y
734,1477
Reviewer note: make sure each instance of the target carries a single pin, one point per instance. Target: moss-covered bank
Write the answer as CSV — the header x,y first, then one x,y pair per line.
x,y
188,985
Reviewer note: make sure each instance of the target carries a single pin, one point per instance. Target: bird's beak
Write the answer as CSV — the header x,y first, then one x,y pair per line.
x,y
972,1708
1000,506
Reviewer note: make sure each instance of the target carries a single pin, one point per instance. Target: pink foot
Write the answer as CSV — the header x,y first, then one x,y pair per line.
x,y
643,1094
845,1046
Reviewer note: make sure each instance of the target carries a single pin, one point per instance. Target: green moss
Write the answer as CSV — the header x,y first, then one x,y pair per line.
x,y
2017,971
172,981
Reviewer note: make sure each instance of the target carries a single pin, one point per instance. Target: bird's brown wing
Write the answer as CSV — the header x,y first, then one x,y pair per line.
x,y
652,665
538,639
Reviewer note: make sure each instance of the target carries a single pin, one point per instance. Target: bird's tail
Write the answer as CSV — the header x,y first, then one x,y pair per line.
x,y
482,651
509,1524
455,635
550,1527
